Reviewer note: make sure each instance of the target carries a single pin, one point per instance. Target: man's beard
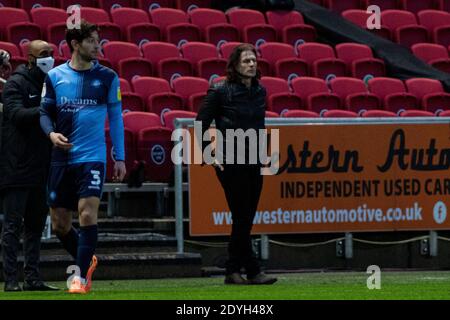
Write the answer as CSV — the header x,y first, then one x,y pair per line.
x,y
86,57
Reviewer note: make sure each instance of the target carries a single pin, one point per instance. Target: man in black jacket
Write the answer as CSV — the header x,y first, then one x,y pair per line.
x,y
24,162
5,71
239,103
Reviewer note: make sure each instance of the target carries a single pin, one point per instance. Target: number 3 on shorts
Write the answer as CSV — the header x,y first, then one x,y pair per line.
x,y
96,180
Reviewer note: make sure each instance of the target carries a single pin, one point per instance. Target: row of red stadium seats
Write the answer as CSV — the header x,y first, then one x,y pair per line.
x,y
410,5
172,25
187,93
185,5
405,27
204,60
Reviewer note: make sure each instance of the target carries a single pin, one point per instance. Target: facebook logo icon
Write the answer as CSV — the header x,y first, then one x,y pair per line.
x,y
439,212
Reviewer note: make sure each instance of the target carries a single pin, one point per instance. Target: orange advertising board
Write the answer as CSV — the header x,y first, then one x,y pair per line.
x,y
341,178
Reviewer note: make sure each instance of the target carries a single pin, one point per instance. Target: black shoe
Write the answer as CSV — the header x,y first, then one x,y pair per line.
x,y
38,286
12,286
262,278
235,278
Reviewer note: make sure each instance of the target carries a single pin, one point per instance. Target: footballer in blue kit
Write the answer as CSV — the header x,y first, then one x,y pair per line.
x,y
76,99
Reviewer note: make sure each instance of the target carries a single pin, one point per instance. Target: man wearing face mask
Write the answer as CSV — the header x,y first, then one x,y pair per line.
x,y
24,163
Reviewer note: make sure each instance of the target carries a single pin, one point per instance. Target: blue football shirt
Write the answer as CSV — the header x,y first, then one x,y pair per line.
x,y
75,104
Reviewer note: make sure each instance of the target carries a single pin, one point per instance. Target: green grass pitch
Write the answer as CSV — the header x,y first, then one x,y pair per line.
x,y
300,286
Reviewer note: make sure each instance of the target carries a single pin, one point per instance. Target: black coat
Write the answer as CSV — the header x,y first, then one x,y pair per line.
x,y
25,150
233,106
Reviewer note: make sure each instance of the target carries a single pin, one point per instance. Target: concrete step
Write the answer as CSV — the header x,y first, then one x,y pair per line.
x,y
117,241
132,265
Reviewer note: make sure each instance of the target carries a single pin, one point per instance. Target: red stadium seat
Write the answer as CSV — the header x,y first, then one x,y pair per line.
x,y
182,33
392,92
142,33
190,5
281,19
354,95
274,51
94,15
149,5
154,147
445,113
8,3
204,58
160,103
175,26
109,5
245,17
360,61
11,48
130,153
64,4
283,60
416,113
187,86
418,5
291,27
378,114
404,26
434,54
196,51
23,32
315,94
146,86
220,33
125,17
134,67
132,102
300,114
214,25
359,17
46,16
171,69
282,102
116,51
136,121
125,86
164,17
438,24
166,60
323,61
274,85
32,4
342,5
195,102
170,116
210,69
271,114
339,114
10,16
430,93
56,33
385,4
227,48
252,25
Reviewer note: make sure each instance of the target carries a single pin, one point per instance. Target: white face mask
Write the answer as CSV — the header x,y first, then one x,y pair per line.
x,y
45,64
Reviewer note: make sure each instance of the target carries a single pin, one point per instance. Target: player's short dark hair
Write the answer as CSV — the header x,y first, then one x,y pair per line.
x,y
79,34
234,59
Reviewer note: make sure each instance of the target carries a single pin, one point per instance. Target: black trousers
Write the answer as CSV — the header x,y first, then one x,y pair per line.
x,y
242,185
24,209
